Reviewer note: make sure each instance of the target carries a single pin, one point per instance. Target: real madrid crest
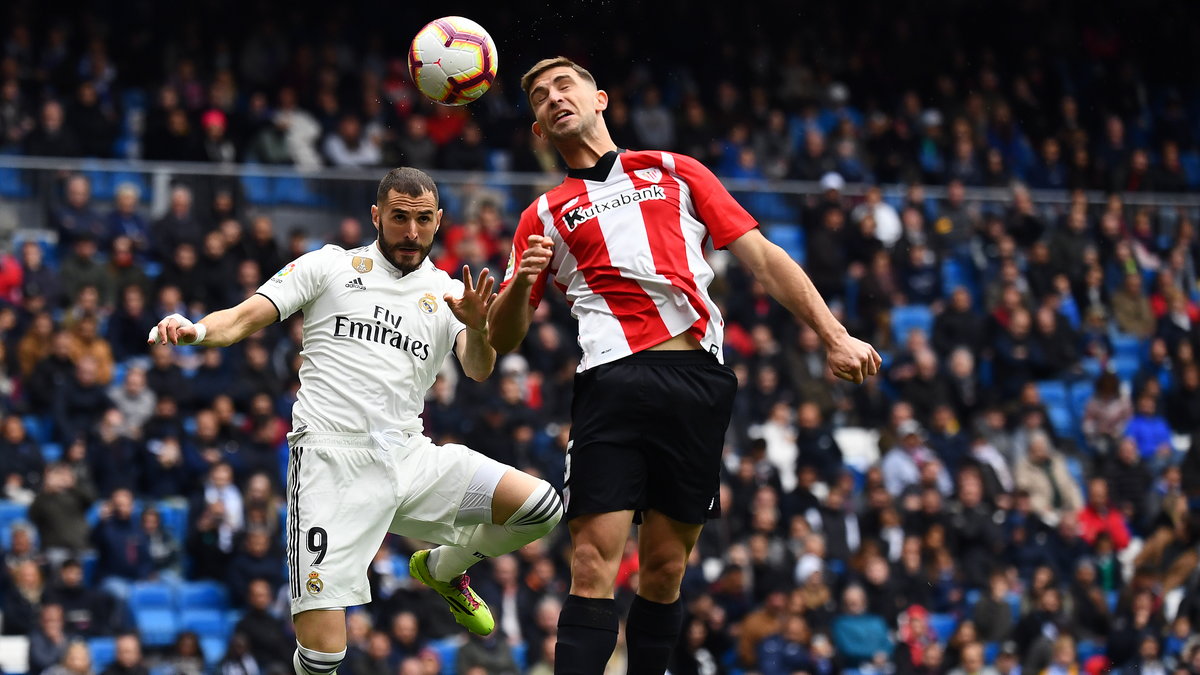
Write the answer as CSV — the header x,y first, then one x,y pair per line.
x,y
314,583
428,303
362,265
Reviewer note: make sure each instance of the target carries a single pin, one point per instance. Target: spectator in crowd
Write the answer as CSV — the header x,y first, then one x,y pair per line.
x,y
1106,414
52,137
22,600
1099,517
1043,474
84,269
76,660
186,658
266,636
128,659
1150,432
59,510
87,610
860,638
126,221
123,556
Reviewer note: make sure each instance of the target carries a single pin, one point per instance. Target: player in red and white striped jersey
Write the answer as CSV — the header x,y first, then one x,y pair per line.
x,y
624,237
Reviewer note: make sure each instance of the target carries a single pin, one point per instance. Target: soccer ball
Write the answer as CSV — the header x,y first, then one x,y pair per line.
x,y
452,60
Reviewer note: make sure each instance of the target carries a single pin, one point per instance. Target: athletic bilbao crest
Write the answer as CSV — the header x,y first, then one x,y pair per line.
x,y
652,174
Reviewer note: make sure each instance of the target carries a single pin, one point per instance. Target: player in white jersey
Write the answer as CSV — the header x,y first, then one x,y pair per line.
x,y
379,321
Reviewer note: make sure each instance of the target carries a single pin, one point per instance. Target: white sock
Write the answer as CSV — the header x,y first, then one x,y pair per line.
x,y
535,519
312,662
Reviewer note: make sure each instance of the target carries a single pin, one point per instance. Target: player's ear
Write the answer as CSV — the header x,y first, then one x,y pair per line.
x,y
375,216
601,100
437,220
537,130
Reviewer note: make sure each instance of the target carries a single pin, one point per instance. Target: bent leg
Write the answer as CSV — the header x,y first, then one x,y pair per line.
x,y
320,641
588,622
523,508
656,615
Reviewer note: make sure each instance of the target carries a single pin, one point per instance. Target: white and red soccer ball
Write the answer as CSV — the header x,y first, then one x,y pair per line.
x,y
452,60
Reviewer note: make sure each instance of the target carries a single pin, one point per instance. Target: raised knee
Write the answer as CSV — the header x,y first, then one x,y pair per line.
x,y
545,514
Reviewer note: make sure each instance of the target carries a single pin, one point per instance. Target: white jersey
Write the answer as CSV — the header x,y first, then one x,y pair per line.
x,y
374,339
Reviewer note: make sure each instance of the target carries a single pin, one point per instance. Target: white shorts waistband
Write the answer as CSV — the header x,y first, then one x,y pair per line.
x,y
351,439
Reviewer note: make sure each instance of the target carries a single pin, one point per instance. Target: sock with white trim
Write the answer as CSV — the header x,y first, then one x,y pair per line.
x,y
535,519
312,662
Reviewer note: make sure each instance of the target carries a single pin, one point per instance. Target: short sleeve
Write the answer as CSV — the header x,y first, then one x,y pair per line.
x,y
725,219
529,224
297,284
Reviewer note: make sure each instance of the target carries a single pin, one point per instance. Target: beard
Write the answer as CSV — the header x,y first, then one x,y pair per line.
x,y
399,253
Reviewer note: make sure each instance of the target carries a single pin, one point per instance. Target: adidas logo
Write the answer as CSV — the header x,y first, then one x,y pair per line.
x,y
356,283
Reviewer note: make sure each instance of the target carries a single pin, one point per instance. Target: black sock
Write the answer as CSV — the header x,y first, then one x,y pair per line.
x,y
651,632
587,634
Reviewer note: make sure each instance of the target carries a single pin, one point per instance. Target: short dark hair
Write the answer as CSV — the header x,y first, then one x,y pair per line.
x,y
554,62
407,181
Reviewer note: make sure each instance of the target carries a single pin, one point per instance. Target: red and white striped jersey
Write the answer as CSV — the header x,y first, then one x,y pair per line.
x,y
629,236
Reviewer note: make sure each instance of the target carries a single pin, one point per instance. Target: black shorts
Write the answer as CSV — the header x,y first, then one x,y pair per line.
x,y
647,432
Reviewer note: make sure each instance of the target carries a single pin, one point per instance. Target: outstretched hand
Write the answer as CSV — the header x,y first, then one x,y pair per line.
x,y
173,330
852,359
477,298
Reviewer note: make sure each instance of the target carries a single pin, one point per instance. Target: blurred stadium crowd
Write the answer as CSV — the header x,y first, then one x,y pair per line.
x,y
1018,492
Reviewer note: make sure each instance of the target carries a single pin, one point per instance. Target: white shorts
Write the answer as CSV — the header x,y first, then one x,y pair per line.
x,y
345,492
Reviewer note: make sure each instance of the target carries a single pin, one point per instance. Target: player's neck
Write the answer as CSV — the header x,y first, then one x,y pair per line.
x,y
585,152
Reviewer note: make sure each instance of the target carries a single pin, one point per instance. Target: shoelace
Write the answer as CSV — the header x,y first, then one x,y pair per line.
x,y
463,585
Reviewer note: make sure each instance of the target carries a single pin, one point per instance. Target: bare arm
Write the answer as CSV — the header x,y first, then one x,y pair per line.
x,y
474,351
850,358
511,313
224,327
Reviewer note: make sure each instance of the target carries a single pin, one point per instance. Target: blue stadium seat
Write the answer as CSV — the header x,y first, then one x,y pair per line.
x,y
972,597
51,452
908,317
213,649
205,622
11,511
1086,649
174,519
1112,598
294,190
1062,420
447,652
1190,162
1014,603
203,595
88,559
104,651
257,189
157,627
1081,393
1053,393
1075,468
231,617
11,184
1127,345
990,650
943,625
519,652
790,238
37,427
1125,367
152,595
